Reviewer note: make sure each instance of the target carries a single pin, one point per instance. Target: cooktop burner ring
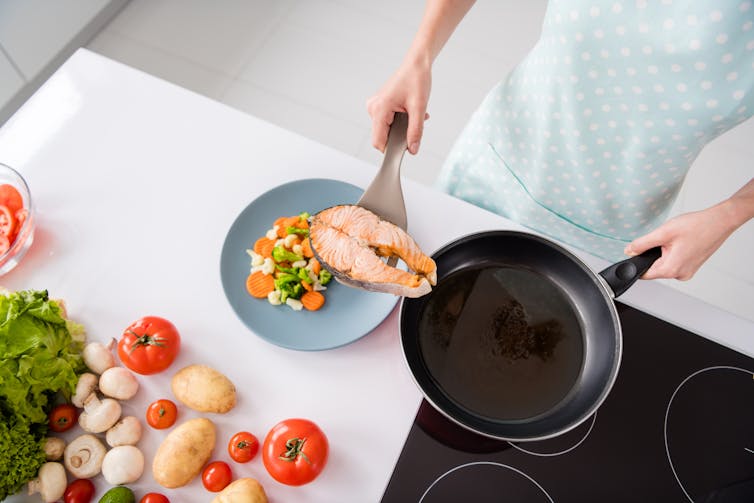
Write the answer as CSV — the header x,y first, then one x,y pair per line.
x,y
552,454
488,463
667,414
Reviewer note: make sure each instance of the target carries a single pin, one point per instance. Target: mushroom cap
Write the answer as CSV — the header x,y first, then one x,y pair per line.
x,y
127,431
118,382
99,415
83,456
50,482
86,385
122,465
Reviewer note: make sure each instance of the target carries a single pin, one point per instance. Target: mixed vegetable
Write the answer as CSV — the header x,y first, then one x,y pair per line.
x,y
283,267
40,357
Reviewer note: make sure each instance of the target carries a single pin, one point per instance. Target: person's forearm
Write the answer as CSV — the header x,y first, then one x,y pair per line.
x,y
740,206
441,17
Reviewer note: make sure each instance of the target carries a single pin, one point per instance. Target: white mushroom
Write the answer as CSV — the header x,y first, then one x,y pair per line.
x,y
99,357
83,457
127,431
86,386
99,415
50,482
53,448
122,465
118,382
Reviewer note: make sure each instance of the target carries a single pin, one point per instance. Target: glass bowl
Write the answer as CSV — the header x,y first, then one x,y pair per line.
x,y
16,218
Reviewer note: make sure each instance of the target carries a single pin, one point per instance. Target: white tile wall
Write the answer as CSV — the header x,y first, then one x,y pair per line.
x,y
309,66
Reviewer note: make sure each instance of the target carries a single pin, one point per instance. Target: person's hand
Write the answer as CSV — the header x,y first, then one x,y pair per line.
x,y
687,241
407,90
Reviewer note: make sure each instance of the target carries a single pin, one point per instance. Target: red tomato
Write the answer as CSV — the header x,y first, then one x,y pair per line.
x,y
216,476
79,491
154,498
149,345
11,197
63,417
7,221
295,451
4,243
161,414
243,446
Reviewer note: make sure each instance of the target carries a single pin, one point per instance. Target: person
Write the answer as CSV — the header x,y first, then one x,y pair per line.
x,y
588,140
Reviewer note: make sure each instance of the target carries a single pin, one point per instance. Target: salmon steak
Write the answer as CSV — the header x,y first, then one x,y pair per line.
x,y
351,242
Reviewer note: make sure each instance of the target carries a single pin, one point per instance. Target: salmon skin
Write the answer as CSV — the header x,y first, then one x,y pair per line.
x,y
351,241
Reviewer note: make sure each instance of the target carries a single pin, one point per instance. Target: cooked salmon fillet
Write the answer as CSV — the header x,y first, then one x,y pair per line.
x,y
350,240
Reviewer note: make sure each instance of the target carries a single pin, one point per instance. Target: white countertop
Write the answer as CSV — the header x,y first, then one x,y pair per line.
x,y
136,182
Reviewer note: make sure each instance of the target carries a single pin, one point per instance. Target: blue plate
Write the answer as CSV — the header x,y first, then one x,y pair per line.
x,y
348,313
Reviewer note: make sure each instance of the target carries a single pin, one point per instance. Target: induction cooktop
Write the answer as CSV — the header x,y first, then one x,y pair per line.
x,y
678,426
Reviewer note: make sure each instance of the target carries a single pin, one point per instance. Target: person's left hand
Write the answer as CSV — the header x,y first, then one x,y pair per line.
x,y
687,241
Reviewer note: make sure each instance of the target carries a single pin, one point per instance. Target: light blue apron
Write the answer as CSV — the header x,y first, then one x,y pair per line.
x,y
589,139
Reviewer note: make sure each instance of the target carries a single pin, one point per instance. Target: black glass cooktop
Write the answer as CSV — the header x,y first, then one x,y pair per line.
x,y
677,426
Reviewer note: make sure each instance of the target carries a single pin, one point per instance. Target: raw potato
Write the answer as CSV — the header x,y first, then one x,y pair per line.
x,y
244,490
204,389
184,452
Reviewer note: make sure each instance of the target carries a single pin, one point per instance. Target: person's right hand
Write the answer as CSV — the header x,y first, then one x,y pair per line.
x,y
407,90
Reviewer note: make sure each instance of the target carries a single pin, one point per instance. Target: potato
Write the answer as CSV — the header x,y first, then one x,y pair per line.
x,y
204,389
246,490
184,452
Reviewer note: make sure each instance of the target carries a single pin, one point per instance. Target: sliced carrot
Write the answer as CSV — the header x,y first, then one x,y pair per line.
x,y
306,248
259,284
313,300
307,286
264,246
316,267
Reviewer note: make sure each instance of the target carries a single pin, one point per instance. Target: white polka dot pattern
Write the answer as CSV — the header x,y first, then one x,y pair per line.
x,y
589,139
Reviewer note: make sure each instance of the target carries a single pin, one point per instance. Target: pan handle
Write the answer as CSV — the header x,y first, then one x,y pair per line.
x,y
622,275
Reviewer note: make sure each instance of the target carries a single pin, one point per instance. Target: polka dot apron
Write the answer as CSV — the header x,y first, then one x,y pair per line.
x,y
589,139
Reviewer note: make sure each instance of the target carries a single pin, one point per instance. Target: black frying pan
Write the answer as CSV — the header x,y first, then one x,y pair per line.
x,y
519,340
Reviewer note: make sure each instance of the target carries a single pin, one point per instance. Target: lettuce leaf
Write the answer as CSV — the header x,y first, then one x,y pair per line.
x,y
40,357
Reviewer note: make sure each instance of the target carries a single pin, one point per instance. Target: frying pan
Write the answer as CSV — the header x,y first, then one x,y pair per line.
x,y
520,340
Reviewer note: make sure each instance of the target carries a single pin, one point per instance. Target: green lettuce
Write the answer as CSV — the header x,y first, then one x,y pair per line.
x,y
40,357
21,455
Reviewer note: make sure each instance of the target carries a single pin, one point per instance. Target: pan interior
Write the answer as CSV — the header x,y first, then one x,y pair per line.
x,y
501,342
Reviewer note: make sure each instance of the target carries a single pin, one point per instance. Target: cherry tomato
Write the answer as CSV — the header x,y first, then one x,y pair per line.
x,y
243,446
63,417
154,498
216,476
79,491
295,451
149,345
161,414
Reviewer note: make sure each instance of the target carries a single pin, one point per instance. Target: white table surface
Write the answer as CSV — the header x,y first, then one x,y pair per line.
x,y
136,182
